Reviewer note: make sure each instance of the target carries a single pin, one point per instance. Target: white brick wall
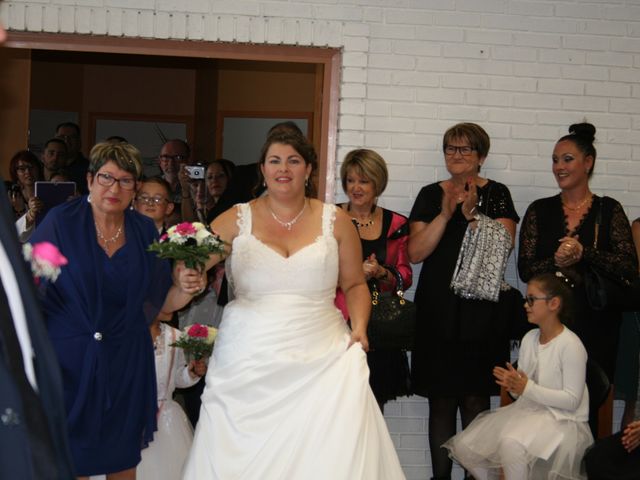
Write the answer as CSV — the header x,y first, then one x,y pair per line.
x,y
524,70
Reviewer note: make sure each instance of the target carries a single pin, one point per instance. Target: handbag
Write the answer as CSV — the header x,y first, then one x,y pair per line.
x,y
392,324
607,290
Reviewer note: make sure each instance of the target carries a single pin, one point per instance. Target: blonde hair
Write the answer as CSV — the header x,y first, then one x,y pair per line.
x,y
368,164
124,155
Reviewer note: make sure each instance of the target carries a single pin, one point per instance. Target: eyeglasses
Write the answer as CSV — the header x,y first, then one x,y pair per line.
x,y
465,150
24,168
151,200
177,158
531,299
106,180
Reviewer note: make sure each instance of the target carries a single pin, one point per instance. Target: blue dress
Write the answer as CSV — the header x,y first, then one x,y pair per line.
x,y
97,315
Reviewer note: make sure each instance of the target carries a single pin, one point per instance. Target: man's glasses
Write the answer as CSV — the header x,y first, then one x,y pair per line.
x,y
106,180
531,299
151,200
177,158
465,151
24,168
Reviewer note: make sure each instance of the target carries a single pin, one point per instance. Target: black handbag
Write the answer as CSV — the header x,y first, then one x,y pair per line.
x,y
606,290
392,324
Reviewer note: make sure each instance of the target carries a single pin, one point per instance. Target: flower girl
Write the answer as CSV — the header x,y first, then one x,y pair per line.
x,y
544,433
166,454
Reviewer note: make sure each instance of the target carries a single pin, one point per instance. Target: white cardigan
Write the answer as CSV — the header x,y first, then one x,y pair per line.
x,y
557,372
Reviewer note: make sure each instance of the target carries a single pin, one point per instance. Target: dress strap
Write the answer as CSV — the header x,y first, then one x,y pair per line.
x,y
328,219
244,218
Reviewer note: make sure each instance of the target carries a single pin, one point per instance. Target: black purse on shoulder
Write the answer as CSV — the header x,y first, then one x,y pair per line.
x,y
606,290
392,324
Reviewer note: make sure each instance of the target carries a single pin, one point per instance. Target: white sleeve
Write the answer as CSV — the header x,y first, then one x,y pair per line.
x,y
573,360
24,232
183,379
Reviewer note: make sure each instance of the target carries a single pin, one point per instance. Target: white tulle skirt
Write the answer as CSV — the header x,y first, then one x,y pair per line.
x,y
550,448
164,458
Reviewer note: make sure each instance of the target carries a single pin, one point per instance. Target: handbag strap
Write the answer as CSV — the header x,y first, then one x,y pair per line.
x,y
375,291
596,227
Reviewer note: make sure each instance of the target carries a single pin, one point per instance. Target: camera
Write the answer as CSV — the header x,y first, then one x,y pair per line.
x,y
195,172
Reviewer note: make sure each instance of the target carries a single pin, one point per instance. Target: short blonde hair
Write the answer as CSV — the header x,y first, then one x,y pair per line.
x,y
124,155
367,164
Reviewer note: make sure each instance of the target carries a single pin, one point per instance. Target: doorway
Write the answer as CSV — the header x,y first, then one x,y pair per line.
x,y
152,83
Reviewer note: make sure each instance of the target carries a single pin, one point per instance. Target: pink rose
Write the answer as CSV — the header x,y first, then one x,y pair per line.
x,y
49,253
164,237
197,330
185,228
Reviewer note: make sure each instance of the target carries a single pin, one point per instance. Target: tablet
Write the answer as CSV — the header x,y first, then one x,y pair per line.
x,y
52,194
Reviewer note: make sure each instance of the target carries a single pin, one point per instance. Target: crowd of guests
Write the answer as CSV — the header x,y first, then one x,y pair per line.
x,y
461,352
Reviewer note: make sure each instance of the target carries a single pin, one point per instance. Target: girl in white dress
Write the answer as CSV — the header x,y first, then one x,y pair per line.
x,y
287,394
544,433
164,458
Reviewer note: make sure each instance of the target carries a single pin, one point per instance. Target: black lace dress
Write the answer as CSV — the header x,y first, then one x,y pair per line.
x,y
458,341
543,225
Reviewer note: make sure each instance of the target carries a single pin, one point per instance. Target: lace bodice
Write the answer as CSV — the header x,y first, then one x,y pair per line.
x,y
255,269
544,223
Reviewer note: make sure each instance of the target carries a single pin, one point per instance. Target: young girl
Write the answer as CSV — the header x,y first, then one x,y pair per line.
x,y
165,456
544,433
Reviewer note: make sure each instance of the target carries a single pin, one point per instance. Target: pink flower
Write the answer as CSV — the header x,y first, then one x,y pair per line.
x,y
49,253
164,237
185,228
197,330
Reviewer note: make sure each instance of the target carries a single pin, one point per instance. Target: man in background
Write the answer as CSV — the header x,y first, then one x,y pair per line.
x,y
53,157
174,155
77,163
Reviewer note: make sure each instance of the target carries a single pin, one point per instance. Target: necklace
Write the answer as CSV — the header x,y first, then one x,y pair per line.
x,y
107,241
291,222
357,222
580,205
362,224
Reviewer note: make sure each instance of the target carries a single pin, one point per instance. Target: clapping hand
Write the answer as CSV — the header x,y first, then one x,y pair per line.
x,y
569,252
631,436
470,202
513,380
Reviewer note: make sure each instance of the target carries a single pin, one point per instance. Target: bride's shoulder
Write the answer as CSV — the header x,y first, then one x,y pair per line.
x,y
226,224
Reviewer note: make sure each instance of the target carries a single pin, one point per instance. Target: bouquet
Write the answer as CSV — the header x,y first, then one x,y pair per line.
x,y
189,242
45,260
196,341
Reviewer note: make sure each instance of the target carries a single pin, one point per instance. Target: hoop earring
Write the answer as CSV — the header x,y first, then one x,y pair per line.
x,y
89,198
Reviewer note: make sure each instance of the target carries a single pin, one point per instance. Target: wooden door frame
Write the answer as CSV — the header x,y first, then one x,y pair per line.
x,y
329,58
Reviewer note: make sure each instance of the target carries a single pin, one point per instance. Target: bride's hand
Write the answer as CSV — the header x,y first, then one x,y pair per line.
x,y
357,337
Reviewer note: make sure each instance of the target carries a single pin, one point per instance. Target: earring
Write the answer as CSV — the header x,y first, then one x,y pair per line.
x,y
89,198
264,183
131,205
306,181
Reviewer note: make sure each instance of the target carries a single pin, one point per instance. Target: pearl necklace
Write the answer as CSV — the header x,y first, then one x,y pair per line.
x,y
580,205
107,241
291,222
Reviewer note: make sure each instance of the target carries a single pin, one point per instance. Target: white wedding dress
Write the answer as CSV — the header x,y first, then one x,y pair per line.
x,y
285,398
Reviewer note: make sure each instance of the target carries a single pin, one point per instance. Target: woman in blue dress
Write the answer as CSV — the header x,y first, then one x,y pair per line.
x,y
99,310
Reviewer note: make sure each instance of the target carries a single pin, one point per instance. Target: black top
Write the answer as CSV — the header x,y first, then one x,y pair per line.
x,y
462,334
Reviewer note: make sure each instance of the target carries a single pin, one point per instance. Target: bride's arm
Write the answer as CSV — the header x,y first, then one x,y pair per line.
x,y
225,226
351,278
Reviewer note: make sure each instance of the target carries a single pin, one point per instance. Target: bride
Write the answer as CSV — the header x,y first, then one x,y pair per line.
x,y
287,393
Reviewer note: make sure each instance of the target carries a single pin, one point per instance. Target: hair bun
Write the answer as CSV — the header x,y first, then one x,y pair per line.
x,y
584,130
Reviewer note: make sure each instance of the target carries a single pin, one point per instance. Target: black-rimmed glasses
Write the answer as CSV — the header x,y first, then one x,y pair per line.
x,y
24,168
106,180
531,299
464,150
151,200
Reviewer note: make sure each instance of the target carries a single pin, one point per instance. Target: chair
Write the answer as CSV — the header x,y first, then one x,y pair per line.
x,y
600,396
